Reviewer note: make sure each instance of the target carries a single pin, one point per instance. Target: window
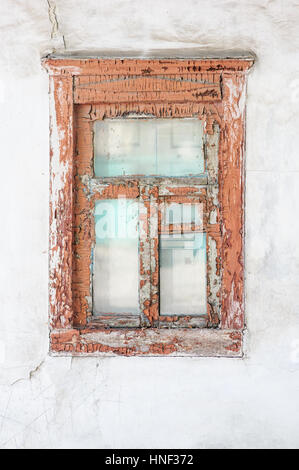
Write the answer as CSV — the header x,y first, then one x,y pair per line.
x,y
146,210
147,188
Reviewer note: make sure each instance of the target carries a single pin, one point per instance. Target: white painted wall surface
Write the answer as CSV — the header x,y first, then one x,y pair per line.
x,y
151,402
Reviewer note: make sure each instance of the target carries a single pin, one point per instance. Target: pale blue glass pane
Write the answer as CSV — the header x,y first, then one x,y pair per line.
x,y
179,147
162,147
183,274
124,147
116,259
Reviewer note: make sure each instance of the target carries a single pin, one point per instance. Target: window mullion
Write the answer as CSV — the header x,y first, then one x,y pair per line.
x,y
154,240
144,255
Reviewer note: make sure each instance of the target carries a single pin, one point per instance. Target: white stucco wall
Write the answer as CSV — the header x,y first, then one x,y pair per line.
x,y
151,402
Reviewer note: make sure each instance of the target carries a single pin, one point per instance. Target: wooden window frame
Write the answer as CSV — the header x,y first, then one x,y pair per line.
x,y
84,90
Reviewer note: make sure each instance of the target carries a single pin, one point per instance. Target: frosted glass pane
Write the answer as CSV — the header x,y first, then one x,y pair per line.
x,y
162,147
124,147
183,274
179,147
116,259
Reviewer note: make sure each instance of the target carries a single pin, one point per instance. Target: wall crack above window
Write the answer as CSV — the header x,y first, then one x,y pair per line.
x,y
55,32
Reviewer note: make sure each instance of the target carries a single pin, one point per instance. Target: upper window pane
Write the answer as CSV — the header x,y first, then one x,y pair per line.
x,y
162,147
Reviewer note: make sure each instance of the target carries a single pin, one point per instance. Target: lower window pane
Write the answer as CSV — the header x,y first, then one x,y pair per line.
x,y
116,258
183,274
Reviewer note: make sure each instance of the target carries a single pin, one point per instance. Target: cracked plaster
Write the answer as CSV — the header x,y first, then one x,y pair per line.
x,y
125,402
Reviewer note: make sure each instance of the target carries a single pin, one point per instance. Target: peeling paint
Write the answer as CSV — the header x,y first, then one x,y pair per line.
x,y
220,190
149,341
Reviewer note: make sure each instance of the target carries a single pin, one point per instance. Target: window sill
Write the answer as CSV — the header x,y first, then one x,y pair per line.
x,y
147,342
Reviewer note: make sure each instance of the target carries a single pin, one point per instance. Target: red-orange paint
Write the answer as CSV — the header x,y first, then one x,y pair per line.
x,y
88,83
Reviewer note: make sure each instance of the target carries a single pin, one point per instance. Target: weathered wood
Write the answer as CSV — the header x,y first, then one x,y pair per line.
x,y
214,91
80,67
61,201
115,321
148,341
232,200
147,88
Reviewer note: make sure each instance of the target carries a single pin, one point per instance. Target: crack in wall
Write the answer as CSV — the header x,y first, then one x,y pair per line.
x,y
30,374
55,33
